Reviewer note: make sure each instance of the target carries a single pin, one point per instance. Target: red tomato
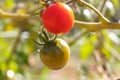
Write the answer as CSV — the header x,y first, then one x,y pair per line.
x,y
58,18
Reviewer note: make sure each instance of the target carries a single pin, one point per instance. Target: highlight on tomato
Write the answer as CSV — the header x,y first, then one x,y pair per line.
x,y
58,18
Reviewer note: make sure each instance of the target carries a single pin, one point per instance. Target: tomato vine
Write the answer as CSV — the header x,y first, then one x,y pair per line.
x,y
91,26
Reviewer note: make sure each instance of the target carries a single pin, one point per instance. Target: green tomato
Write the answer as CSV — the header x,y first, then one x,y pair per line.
x,y
55,54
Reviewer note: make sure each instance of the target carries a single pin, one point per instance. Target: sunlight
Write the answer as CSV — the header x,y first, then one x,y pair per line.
x,y
10,73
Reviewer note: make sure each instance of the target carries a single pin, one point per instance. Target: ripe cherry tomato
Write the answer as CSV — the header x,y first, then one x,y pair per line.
x,y
56,54
58,18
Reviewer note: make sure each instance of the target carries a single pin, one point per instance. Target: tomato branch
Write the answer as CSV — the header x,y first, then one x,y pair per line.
x,y
103,19
16,43
94,26
91,26
13,15
104,2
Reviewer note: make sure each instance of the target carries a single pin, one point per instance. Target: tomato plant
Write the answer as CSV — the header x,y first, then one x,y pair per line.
x,y
58,18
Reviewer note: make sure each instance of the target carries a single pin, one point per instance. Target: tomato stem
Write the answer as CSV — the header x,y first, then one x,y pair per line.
x,y
38,42
54,37
103,19
41,37
67,2
45,34
35,14
44,39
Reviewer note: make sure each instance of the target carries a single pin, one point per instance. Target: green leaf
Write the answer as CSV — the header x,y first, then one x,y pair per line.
x,y
3,66
116,3
106,53
9,4
13,65
4,49
1,75
21,58
86,49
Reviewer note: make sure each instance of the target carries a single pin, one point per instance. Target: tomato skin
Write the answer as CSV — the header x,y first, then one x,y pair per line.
x,y
55,55
58,18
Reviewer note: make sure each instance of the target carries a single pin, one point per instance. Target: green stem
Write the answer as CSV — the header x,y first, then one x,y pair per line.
x,y
54,37
38,42
45,34
102,18
94,26
41,37
13,15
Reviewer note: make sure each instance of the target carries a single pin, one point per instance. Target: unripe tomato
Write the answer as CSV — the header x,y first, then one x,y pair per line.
x,y
58,18
56,54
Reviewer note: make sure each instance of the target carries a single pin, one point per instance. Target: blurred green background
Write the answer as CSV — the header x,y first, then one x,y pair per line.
x,y
94,55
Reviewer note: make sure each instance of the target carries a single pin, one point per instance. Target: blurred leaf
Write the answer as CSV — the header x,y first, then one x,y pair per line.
x,y
116,3
13,65
2,24
45,75
28,49
21,11
3,66
20,70
107,38
33,35
107,53
86,49
4,49
93,38
21,58
1,75
42,2
9,27
9,4
85,69
109,68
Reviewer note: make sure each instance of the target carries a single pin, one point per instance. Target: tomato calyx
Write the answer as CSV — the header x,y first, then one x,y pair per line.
x,y
44,39
46,3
